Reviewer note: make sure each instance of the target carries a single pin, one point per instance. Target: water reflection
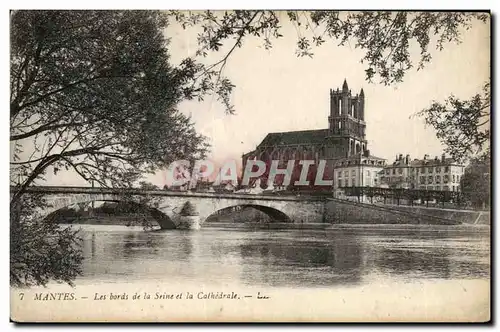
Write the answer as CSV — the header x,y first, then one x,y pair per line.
x,y
293,258
418,262
414,262
303,262
137,244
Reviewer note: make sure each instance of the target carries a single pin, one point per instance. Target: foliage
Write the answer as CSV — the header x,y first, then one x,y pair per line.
x,y
476,181
64,215
93,92
41,251
133,212
119,208
386,38
148,186
188,209
463,126
143,207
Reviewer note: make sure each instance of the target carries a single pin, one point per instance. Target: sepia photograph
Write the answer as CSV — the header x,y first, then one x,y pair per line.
x,y
250,166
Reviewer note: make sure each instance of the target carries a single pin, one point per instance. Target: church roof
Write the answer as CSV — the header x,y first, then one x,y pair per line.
x,y
295,137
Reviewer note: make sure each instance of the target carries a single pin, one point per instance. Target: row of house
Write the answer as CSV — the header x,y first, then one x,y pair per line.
x,y
438,173
442,174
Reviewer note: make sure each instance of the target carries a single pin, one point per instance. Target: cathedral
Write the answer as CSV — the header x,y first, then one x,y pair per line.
x,y
343,144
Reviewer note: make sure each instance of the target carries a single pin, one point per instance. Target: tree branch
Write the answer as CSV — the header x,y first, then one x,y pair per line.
x,y
46,127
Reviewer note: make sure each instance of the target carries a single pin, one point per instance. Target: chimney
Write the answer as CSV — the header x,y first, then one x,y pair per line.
x,y
407,161
400,156
443,157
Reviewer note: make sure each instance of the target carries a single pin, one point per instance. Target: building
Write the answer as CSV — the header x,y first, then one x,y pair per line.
x,y
442,174
399,174
360,170
343,144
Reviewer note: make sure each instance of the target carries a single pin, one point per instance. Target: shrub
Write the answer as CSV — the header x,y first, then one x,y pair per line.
x,y
41,250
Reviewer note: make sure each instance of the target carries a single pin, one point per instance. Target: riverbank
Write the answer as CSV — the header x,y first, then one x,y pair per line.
x,y
344,227
479,217
346,212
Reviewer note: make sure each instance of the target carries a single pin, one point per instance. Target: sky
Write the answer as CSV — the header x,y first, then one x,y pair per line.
x,y
277,91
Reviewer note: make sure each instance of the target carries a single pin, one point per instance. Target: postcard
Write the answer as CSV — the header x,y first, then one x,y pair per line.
x,y
250,166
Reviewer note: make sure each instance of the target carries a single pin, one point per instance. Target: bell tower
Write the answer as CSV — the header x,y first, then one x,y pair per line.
x,y
347,122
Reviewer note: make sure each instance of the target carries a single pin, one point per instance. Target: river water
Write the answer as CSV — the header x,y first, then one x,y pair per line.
x,y
339,257
347,274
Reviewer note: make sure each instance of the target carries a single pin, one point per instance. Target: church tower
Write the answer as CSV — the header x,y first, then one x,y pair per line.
x,y
347,123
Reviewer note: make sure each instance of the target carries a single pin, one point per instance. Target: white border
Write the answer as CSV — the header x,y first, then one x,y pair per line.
x,y
187,4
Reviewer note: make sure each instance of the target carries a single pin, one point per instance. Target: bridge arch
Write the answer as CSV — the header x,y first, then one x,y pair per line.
x,y
274,214
166,207
163,220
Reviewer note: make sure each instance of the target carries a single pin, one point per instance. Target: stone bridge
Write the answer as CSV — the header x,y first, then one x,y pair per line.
x,y
165,206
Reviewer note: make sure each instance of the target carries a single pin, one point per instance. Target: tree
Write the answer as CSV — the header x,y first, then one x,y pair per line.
x,y
463,126
93,91
148,186
476,181
41,251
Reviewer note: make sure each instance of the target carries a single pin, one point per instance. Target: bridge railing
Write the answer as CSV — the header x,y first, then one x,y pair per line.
x,y
402,196
138,191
